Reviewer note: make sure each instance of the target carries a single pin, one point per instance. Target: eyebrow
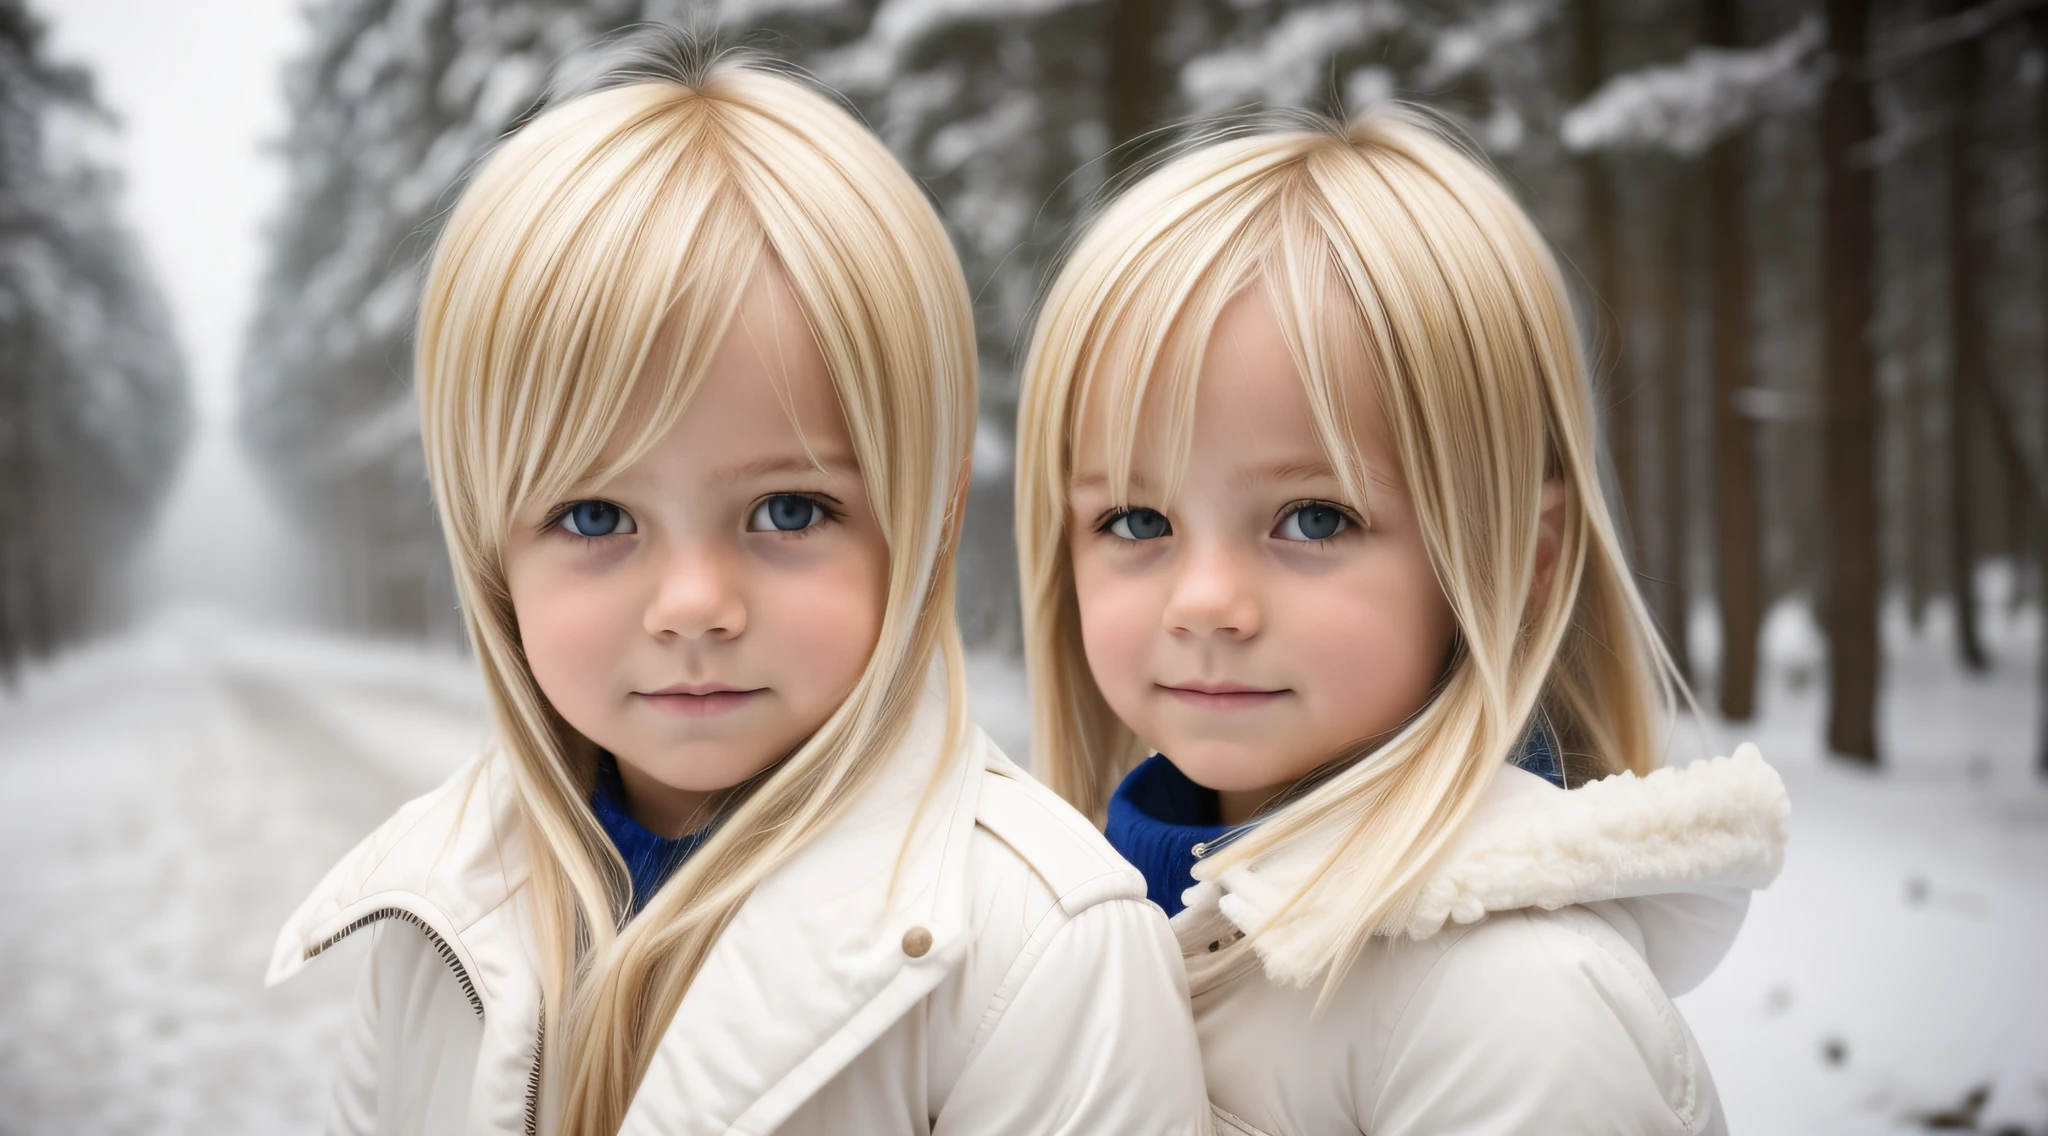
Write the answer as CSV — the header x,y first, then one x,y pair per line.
x,y
1291,471
1281,471
1095,479
828,463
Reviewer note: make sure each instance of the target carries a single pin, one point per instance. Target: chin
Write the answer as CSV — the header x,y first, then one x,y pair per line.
x,y
703,768
1227,767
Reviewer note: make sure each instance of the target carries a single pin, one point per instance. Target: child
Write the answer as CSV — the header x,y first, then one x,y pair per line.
x,y
696,376
1308,508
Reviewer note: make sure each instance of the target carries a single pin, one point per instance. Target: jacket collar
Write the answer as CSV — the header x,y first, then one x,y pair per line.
x,y
1678,850
453,864
828,953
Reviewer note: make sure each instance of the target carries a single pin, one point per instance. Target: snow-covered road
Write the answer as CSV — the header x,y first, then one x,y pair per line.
x,y
164,800
166,796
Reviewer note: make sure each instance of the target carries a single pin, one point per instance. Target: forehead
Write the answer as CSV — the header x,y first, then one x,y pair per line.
x,y
765,394
1238,404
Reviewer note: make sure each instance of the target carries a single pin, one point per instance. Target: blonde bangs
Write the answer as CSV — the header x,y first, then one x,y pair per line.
x,y
1401,270
574,302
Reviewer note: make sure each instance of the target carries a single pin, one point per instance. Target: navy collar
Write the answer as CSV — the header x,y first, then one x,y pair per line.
x,y
650,859
1156,818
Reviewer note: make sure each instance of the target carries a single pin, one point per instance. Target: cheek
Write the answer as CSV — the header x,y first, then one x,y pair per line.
x,y
821,623
1119,616
1374,642
574,629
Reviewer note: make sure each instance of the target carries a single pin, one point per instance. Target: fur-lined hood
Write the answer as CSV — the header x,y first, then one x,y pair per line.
x,y
1679,850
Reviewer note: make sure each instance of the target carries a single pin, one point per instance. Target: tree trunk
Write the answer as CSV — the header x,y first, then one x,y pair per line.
x,y
37,487
1672,593
1610,314
1921,454
1966,353
1137,83
14,549
1738,583
1849,465
2040,24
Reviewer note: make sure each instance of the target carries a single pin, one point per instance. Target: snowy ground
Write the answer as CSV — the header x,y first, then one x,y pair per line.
x,y
1901,962
167,796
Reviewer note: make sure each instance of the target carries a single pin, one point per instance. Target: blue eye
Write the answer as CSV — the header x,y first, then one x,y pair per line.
x,y
1312,521
785,512
596,518
1139,524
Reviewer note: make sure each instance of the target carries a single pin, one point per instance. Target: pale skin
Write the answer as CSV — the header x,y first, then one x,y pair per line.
x,y
704,611
1256,625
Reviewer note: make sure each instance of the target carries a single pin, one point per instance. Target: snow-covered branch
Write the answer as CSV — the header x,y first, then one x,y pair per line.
x,y
1284,67
1685,107
1462,48
900,26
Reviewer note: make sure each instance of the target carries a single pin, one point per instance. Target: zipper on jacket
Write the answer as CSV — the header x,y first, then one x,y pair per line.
x,y
447,953
440,945
540,1040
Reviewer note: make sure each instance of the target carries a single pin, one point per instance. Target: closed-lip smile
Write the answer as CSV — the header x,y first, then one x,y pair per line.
x,y
700,699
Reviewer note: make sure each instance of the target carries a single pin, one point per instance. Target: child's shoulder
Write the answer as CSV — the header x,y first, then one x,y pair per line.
x,y
443,861
1042,884
1046,836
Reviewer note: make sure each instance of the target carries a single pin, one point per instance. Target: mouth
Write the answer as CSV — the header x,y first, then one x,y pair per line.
x,y
699,699
1222,696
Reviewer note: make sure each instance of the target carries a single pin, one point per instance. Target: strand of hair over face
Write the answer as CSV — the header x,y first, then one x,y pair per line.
x,y
575,297
1384,234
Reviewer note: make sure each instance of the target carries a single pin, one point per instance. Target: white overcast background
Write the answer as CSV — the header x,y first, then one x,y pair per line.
x,y
197,89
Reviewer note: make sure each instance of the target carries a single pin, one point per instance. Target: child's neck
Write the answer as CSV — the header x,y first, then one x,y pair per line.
x,y
661,809
1236,806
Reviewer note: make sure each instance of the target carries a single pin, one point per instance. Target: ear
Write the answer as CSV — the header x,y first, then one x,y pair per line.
x,y
1549,541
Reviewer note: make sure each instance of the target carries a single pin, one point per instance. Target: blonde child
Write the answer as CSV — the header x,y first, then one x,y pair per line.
x,y
1309,512
696,377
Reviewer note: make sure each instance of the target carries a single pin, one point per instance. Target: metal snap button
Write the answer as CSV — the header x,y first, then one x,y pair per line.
x,y
916,942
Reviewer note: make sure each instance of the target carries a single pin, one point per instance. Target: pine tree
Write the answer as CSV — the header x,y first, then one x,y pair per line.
x,y
93,408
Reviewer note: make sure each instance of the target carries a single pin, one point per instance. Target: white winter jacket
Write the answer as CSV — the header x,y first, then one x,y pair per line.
x,y
1529,990
1017,982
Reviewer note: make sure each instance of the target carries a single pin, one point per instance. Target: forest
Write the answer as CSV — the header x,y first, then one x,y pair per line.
x,y
1807,239
92,393
1808,246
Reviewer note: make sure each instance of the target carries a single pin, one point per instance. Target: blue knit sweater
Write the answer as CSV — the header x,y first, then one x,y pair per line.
x,y
1156,818
650,859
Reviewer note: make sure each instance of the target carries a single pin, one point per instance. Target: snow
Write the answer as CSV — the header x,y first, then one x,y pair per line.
x,y
1287,65
1907,932
166,797
900,26
1684,107
1461,49
748,13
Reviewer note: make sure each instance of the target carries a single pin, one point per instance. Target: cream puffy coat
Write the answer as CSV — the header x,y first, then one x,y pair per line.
x,y
1529,990
1016,981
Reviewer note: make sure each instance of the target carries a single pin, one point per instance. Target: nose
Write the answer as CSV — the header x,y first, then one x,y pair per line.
x,y
1213,593
697,596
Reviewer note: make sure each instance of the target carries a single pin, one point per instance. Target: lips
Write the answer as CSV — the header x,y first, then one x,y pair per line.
x,y
696,688
1222,696
699,699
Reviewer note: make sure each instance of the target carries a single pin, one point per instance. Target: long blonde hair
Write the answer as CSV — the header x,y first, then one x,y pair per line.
x,y
1387,234
640,209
